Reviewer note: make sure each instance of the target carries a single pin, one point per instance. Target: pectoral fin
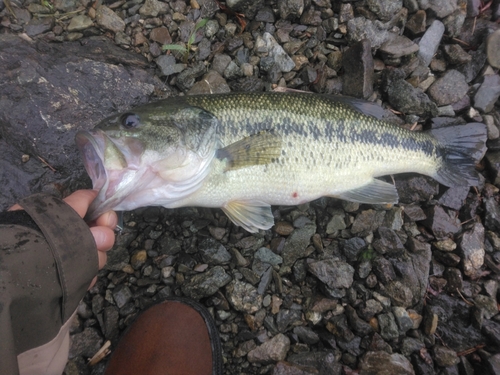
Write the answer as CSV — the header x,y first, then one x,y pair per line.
x,y
376,192
256,149
251,216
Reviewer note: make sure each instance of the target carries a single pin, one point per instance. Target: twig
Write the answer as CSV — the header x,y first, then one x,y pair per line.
x,y
471,350
414,126
463,298
47,164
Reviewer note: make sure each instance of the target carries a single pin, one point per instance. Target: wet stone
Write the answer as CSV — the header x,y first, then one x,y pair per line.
x,y
271,351
445,357
213,252
402,319
358,70
334,273
306,335
471,247
38,26
211,83
388,242
122,295
291,9
286,318
108,19
449,89
456,55
454,197
296,243
243,296
353,247
206,284
85,343
430,41
493,49
442,223
488,305
368,220
381,362
488,93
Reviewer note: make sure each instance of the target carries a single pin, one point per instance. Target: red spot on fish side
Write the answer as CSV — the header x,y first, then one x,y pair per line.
x,y
295,195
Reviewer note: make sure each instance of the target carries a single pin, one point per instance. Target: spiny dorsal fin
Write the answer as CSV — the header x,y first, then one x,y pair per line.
x,y
250,215
256,149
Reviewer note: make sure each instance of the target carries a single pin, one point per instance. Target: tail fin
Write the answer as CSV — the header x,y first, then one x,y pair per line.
x,y
462,146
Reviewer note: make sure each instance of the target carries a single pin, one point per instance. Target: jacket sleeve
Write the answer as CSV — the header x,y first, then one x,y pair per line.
x,y
48,258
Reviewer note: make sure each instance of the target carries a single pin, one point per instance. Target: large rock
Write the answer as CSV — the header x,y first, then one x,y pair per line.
x,y
48,93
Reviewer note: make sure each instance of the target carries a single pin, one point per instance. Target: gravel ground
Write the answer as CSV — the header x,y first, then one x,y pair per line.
x,y
334,287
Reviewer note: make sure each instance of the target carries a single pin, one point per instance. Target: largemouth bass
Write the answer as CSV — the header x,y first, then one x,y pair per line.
x,y
245,152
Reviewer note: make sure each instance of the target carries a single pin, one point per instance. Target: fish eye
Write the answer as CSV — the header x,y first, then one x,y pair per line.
x,y
130,120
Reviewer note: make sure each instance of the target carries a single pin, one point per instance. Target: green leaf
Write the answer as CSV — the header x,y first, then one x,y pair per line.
x,y
200,24
173,47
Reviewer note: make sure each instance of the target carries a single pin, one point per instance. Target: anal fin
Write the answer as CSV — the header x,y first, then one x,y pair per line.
x,y
375,192
250,215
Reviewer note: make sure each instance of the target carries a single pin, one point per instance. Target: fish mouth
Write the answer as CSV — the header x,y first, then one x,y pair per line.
x,y
91,147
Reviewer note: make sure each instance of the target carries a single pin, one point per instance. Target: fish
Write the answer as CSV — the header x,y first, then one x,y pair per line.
x,y
243,152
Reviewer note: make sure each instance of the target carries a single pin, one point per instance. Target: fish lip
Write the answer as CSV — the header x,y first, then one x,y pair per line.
x,y
91,147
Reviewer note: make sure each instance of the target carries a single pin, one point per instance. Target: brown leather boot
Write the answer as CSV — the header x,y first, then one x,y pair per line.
x,y
174,337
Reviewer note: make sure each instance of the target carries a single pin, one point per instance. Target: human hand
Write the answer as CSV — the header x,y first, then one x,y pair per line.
x,y
101,228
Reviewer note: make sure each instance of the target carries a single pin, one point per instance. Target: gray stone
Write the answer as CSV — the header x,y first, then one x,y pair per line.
x,y
487,304
85,343
232,71
243,297
367,221
445,357
306,335
492,214
168,65
206,284
290,9
153,8
454,23
286,368
410,100
296,244
454,197
247,7
109,20
266,255
270,351
381,362
400,294
387,242
488,93
441,222
186,79
430,41
441,8
385,10
388,327
416,23
471,247
213,252
493,49
288,317
220,63
210,83
122,295
336,223
38,26
358,70
334,273
353,247
411,345
398,47
276,52
448,89
402,319
80,22
376,32
456,55
493,362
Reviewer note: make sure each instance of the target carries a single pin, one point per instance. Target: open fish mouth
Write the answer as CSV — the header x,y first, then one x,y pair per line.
x,y
91,147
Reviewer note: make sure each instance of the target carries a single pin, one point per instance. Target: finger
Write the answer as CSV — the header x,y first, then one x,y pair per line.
x,y
103,257
80,200
108,219
104,238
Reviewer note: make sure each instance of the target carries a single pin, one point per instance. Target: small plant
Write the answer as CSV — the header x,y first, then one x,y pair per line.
x,y
367,254
192,37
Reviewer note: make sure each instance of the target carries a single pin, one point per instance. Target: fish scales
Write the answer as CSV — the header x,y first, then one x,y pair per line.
x,y
326,148
245,152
